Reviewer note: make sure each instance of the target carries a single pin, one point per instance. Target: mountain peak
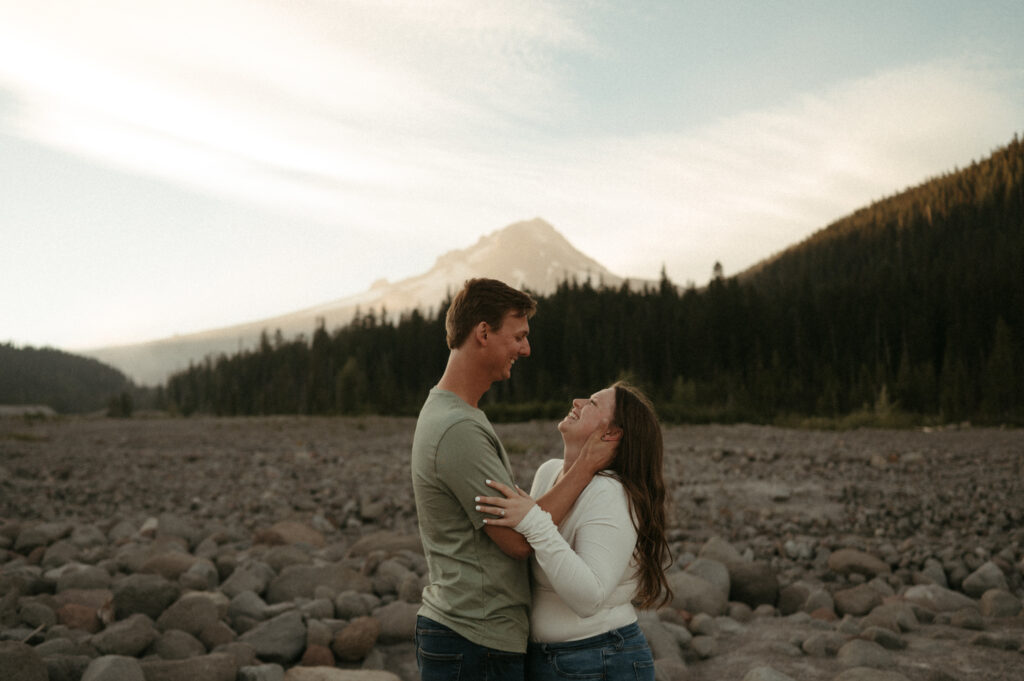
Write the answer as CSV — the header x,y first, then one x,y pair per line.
x,y
530,254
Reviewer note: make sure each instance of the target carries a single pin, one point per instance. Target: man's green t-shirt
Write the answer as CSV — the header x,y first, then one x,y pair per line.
x,y
475,588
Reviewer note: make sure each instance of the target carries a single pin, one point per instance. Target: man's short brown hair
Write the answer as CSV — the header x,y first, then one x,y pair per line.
x,y
484,300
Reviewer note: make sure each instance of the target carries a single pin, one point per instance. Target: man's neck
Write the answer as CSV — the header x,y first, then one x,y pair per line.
x,y
459,378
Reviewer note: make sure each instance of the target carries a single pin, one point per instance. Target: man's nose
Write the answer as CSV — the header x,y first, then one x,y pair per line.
x,y
524,350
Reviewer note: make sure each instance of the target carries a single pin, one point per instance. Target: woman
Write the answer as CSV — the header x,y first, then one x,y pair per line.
x,y
609,549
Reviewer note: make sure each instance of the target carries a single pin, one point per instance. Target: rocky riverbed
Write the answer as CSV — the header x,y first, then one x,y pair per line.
x,y
286,548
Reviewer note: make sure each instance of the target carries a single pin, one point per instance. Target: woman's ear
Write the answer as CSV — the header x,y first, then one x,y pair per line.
x,y
612,434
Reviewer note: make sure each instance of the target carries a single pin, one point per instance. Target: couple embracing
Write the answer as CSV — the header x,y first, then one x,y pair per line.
x,y
542,585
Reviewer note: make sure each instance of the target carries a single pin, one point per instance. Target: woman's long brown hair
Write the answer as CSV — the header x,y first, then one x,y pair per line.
x,y
638,465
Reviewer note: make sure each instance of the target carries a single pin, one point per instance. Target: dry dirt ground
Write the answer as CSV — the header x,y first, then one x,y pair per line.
x,y
784,496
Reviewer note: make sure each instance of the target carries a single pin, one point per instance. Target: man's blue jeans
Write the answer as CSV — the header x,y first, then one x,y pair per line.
x,y
443,655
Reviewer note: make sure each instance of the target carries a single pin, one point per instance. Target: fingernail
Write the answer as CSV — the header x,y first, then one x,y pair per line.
x,y
477,508
476,498
487,481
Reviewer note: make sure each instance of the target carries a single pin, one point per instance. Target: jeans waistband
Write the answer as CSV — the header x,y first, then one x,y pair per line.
x,y
615,637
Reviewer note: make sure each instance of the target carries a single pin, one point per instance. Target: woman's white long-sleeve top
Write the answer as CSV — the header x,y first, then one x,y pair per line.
x,y
584,576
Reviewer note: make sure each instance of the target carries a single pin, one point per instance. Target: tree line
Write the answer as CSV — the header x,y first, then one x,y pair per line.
x,y
65,382
910,308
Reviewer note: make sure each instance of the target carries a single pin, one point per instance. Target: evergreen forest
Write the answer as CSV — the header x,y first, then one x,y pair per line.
x,y
65,382
908,311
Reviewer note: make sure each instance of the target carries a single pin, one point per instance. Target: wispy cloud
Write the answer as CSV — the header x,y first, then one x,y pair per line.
x,y
420,125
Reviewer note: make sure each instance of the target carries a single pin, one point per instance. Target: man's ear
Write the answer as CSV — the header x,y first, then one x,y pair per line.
x,y
612,434
480,332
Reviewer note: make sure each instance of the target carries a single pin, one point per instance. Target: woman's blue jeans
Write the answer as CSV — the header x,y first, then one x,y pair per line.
x,y
619,655
444,655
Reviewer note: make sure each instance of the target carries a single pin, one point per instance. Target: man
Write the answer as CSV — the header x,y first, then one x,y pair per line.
x,y
474,620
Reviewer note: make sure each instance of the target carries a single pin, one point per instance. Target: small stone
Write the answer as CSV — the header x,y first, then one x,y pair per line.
x,y
861,653
130,637
884,637
986,577
170,565
397,622
870,674
281,639
217,634
83,618
766,674
191,613
967,618
823,644
753,583
149,595
263,672
317,656
695,594
253,576
329,674
289,532
212,667
1002,642
999,603
177,645
114,668
720,550
21,663
66,667
703,646
937,598
852,561
857,601
715,573
356,640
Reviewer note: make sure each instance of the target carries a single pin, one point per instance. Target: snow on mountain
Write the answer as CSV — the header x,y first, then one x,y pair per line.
x,y
529,255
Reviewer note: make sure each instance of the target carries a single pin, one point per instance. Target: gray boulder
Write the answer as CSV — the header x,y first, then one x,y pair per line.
x,y
397,622
114,668
280,639
986,577
177,645
149,595
857,601
21,663
212,667
999,603
191,613
753,583
937,598
766,674
712,571
862,653
695,594
300,581
129,637
852,561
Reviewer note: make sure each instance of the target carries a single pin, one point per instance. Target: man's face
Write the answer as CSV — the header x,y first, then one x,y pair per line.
x,y
508,344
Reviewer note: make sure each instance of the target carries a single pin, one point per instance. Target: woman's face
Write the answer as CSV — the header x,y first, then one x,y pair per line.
x,y
586,414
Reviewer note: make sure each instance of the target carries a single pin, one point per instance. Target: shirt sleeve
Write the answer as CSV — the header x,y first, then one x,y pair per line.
x,y
585,574
467,456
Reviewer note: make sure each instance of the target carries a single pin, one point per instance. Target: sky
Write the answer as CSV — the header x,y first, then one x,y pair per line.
x,y
172,167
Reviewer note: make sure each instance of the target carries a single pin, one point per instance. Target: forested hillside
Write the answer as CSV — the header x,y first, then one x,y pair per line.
x,y
68,383
912,306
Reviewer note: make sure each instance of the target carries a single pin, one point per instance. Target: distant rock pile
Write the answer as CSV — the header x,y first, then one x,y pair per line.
x,y
286,548
171,602
168,601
